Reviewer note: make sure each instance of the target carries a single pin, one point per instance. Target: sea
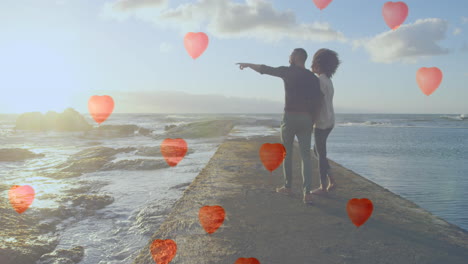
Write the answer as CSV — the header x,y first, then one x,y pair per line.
x,y
421,157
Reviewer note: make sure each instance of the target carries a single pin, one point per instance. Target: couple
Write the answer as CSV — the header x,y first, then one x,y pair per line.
x,y
308,101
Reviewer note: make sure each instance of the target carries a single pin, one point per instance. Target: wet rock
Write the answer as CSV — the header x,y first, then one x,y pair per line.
x,y
17,154
167,127
179,186
149,151
87,160
93,143
98,151
84,187
138,164
63,256
155,151
92,201
202,129
49,225
61,212
62,174
4,187
22,239
68,120
85,165
114,131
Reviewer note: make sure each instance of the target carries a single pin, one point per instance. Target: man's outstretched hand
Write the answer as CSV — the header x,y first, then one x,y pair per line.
x,y
243,65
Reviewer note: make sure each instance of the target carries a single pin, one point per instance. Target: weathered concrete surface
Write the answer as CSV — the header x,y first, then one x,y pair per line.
x,y
277,229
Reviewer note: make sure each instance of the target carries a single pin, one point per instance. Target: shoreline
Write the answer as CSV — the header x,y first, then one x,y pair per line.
x,y
276,229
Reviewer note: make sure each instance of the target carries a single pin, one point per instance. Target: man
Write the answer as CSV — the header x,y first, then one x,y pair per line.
x,y
302,103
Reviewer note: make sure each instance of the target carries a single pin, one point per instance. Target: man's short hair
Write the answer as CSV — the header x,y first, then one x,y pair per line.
x,y
301,53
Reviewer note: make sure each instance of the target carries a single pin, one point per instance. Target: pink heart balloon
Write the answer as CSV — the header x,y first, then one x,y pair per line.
x,y
21,197
100,107
394,14
195,43
321,4
428,79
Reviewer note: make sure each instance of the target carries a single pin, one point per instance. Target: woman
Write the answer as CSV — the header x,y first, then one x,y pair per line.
x,y
324,64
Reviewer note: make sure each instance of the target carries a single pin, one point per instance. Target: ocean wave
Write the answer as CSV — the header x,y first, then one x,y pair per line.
x,y
461,117
366,123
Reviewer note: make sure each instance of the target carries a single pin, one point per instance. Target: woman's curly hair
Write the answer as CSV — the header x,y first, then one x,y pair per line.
x,y
327,60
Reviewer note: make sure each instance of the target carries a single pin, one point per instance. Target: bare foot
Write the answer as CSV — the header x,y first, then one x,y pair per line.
x,y
331,184
319,191
284,190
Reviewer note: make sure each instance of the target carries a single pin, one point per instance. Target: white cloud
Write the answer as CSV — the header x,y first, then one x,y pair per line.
x,y
165,47
408,43
124,9
230,19
124,5
457,31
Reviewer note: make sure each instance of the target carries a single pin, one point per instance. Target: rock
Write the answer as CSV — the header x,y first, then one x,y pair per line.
x,y
88,160
30,121
62,174
17,154
113,131
93,143
85,165
4,187
182,185
23,241
138,164
63,256
202,129
155,151
50,120
68,120
71,120
98,151
92,201
166,128
149,151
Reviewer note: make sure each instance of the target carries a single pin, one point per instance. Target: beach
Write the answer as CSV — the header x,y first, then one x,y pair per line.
x,y
101,194
277,229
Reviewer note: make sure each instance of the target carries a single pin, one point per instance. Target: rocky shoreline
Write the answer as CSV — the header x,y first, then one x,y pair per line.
x,y
32,237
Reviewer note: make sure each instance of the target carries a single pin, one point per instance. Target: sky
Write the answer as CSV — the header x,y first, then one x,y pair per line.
x,y
56,54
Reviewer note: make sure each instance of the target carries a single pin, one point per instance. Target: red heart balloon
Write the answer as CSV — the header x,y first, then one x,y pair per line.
x,y
21,197
173,150
394,14
272,155
359,210
163,250
211,217
247,261
100,107
429,79
321,4
195,43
